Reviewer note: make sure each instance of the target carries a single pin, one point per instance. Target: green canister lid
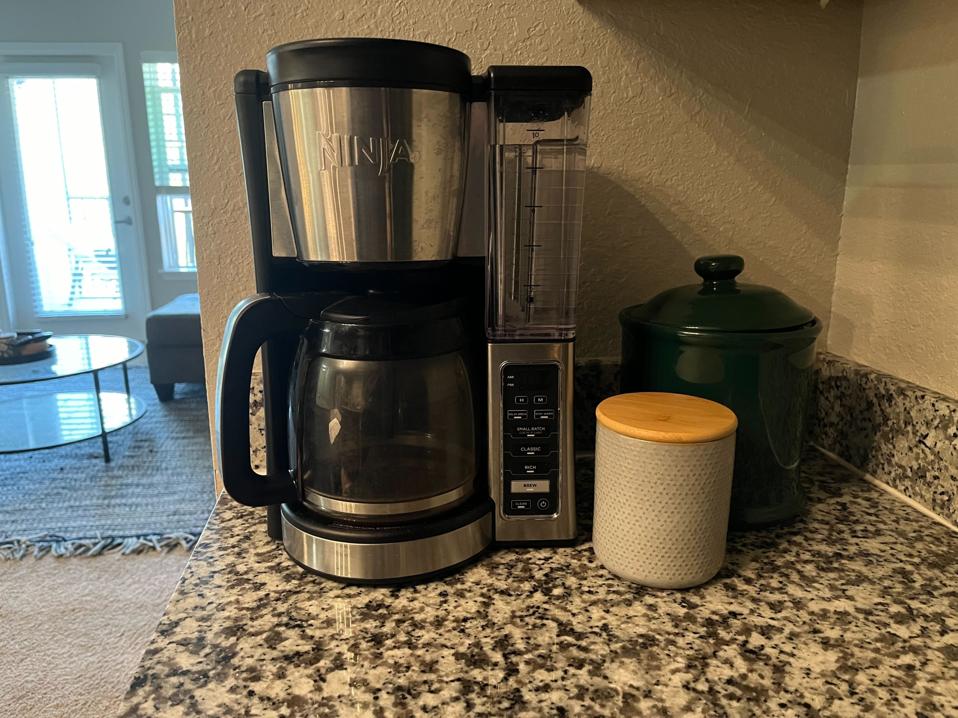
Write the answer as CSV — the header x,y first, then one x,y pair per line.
x,y
719,303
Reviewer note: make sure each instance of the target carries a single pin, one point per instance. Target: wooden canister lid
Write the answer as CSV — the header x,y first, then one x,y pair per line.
x,y
666,418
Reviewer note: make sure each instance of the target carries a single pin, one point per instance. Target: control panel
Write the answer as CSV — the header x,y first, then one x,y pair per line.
x,y
530,439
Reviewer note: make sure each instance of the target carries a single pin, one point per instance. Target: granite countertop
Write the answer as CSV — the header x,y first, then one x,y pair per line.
x,y
854,609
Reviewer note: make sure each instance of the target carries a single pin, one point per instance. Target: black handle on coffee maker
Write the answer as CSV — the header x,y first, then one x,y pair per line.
x,y
251,91
251,323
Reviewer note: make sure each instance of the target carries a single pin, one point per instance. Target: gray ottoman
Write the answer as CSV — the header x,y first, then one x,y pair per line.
x,y
174,345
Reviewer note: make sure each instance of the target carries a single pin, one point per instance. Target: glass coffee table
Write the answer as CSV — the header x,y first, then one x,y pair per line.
x,y
45,421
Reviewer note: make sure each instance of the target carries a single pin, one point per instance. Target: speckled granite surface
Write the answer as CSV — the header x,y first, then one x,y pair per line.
x,y
852,610
898,432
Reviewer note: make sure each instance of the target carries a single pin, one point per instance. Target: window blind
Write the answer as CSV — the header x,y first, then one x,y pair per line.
x,y
164,112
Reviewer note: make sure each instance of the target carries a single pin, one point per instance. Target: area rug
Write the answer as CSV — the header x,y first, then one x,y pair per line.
x,y
156,494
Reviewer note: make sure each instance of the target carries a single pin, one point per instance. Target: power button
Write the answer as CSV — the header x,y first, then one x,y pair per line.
x,y
542,504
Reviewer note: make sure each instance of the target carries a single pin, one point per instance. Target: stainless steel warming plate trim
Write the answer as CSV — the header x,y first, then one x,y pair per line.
x,y
388,561
326,504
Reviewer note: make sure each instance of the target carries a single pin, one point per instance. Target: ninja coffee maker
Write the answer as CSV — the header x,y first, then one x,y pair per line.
x,y
417,391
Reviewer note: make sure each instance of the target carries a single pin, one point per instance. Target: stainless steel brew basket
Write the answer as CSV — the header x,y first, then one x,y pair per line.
x,y
372,174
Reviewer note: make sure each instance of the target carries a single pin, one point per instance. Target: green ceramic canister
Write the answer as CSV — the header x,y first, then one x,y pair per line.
x,y
748,347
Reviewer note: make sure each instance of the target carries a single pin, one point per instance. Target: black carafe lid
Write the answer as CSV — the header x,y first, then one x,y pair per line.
x,y
384,326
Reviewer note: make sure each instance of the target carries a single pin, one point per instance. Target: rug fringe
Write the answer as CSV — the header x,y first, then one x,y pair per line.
x,y
60,547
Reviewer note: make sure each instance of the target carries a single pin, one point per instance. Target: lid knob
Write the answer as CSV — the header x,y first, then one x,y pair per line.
x,y
719,267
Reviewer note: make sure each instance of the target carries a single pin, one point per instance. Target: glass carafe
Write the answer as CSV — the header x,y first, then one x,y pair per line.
x,y
383,420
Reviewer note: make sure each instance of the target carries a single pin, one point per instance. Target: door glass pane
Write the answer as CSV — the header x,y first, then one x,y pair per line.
x,y
70,236
175,212
164,113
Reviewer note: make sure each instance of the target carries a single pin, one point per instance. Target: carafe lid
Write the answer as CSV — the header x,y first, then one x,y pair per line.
x,y
368,62
720,304
383,326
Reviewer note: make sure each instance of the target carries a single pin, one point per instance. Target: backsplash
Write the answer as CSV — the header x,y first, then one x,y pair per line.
x,y
257,426
902,434
897,432
595,379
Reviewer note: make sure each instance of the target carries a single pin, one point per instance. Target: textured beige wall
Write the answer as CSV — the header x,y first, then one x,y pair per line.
x,y
716,127
895,305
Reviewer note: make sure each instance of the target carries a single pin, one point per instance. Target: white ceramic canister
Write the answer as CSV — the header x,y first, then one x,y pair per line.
x,y
663,481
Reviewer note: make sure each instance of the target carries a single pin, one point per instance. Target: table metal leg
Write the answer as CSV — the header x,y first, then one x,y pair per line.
x,y
126,387
99,409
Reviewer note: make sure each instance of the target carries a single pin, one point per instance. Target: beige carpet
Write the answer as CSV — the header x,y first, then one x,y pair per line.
x,y
72,630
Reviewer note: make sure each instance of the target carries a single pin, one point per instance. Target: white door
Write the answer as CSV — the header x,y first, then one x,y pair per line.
x,y
71,223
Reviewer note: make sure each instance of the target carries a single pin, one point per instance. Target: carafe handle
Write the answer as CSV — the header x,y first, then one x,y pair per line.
x,y
251,323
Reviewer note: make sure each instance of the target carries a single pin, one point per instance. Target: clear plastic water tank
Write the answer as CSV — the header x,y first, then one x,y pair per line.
x,y
537,181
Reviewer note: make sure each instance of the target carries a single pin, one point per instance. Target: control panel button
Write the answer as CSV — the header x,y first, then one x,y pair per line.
x,y
540,399
528,447
544,414
530,429
521,399
517,414
521,504
534,486
542,504
530,466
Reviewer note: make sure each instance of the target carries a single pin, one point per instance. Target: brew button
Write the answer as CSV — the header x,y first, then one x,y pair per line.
x,y
517,414
536,486
522,399
521,505
540,399
543,504
544,413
